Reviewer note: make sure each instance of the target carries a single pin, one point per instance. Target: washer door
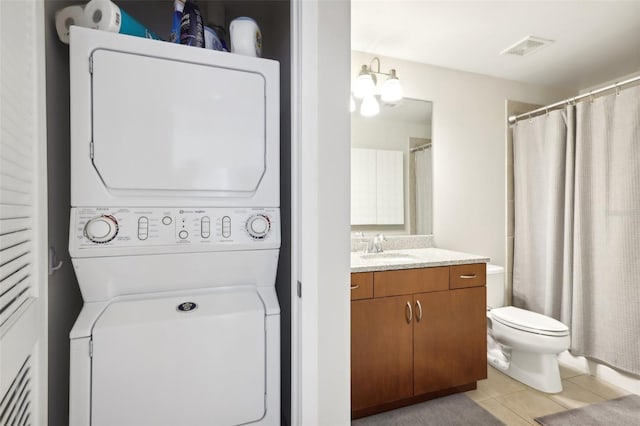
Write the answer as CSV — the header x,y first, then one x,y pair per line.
x,y
195,360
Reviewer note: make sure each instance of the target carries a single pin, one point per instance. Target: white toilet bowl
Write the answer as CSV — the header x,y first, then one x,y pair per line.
x,y
529,343
533,342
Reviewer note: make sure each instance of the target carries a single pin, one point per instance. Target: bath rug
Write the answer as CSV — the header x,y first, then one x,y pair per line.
x,y
452,410
623,411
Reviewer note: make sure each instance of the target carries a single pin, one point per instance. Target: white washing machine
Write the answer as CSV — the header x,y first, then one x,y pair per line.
x,y
174,234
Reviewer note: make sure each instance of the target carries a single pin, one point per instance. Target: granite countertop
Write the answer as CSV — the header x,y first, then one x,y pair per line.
x,y
411,258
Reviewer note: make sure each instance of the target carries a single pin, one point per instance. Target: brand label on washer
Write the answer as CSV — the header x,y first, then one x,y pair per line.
x,y
187,307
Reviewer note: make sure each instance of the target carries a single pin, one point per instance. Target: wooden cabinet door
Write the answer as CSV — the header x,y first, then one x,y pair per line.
x,y
432,342
381,351
468,328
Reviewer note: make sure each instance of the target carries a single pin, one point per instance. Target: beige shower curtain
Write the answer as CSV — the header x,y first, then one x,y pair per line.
x,y
423,193
577,224
606,267
543,178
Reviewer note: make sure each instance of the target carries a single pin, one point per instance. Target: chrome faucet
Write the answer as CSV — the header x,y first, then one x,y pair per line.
x,y
367,244
377,243
373,245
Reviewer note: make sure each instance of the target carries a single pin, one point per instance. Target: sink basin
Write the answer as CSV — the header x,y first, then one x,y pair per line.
x,y
400,257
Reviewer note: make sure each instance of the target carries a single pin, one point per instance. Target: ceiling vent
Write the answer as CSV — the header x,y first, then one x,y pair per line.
x,y
526,46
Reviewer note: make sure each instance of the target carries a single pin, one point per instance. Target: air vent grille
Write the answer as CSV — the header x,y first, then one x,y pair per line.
x,y
526,46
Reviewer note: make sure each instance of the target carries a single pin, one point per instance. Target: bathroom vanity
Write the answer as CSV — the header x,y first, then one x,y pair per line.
x,y
418,327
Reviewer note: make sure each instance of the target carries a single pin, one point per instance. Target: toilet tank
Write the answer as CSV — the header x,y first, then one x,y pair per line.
x,y
495,286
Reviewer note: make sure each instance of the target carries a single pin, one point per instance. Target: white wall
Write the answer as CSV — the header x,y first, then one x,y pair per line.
x,y
469,149
385,134
609,82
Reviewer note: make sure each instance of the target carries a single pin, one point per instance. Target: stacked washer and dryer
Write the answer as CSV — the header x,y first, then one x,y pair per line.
x,y
174,234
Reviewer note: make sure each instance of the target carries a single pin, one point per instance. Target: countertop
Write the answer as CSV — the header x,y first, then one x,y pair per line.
x,y
411,258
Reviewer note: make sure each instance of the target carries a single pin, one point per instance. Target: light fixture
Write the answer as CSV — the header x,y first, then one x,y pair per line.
x,y
365,84
391,89
369,106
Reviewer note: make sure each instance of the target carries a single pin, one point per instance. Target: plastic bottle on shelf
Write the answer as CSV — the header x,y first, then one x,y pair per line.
x,y
191,25
178,7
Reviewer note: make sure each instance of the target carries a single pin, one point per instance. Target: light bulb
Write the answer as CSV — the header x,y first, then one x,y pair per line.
x,y
363,85
391,89
369,106
352,104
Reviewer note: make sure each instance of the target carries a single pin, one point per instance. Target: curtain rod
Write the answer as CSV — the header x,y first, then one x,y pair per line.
x,y
514,118
418,148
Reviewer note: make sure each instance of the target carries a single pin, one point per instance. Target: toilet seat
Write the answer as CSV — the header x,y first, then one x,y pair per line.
x,y
528,321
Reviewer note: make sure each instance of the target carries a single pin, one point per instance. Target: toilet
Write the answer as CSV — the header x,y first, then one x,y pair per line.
x,y
523,344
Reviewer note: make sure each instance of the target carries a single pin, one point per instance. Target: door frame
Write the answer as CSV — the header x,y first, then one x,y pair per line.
x,y
321,65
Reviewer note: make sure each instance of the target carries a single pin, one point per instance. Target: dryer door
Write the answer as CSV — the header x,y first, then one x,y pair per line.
x,y
196,360
174,126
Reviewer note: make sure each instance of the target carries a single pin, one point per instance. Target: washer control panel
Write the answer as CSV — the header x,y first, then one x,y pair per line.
x,y
155,227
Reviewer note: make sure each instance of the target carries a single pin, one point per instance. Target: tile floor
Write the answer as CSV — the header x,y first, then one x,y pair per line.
x,y
517,404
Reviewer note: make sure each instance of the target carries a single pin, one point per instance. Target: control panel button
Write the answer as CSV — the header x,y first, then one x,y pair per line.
x,y
258,226
226,227
205,227
167,220
101,229
143,228
183,234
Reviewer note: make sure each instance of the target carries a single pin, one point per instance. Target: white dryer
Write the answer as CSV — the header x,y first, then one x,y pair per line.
x,y
161,124
174,234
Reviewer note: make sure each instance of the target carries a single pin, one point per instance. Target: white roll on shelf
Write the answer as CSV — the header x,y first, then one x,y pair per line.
x,y
65,18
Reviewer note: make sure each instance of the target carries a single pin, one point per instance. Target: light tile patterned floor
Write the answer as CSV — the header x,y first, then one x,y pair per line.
x,y
517,404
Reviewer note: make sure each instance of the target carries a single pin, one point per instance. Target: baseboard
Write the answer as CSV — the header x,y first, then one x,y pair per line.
x,y
356,414
626,381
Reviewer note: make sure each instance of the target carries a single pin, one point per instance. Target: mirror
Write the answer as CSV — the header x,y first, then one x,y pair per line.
x,y
389,195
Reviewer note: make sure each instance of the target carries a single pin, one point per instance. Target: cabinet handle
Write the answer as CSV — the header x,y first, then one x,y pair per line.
x,y
410,314
353,287
468,277
419,313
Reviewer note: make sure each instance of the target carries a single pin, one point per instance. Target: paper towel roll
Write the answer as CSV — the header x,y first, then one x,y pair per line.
x,y
71,15
245,35
105,15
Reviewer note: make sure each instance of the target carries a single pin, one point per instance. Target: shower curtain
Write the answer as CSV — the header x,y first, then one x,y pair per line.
x,y
606,267
424,196
543,169
577,224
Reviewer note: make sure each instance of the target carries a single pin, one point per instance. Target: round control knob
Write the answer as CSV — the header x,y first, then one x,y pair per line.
x,y
101,229
258,226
